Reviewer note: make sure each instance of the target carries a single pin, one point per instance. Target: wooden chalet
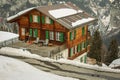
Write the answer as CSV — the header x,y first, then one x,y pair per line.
x,y
60,24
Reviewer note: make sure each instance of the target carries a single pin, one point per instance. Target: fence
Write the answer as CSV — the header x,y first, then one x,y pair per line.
x,y
10,41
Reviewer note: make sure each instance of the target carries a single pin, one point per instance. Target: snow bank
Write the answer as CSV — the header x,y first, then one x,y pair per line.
x,y
84,20
17,52
7,36
115,63
58,13
20,13
94,67
12,69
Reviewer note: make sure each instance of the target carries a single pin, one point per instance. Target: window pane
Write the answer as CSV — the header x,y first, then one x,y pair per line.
x,y
47,20
35,18
51,35
71,52
23,31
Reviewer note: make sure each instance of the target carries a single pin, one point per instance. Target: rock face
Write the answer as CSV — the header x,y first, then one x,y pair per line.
x,y
115,14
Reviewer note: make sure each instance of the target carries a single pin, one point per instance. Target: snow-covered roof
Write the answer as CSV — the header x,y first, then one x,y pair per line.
x,y
115,63
20,13
13,69
81,21
7,36
62,12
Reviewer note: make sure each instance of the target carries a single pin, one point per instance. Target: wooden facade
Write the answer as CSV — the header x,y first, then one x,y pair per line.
x,y
39,24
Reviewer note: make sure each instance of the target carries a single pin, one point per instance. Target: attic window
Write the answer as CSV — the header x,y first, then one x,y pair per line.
x,y
35,18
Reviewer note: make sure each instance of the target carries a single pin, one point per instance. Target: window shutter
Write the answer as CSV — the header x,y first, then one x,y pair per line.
x,y
35,33
31,18
47,34
61,37
83,31
81,59
43,20
70,35
38,19
30,32
74,34
51,21
85,58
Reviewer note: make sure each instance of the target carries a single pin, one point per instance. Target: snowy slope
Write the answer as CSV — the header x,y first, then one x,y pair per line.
x,y
115,63
7,36
12,69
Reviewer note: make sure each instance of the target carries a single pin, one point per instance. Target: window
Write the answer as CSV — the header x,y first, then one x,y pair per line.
x,y
71,52
60,36
72,35
33,32
51,34
47,20
23,31
75,49
83,45
35,18
83,31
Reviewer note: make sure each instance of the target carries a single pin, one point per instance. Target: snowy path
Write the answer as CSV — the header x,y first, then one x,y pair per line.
x,y
67,70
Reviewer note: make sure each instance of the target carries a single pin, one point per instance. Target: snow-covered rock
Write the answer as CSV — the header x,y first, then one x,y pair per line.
x,y
115,63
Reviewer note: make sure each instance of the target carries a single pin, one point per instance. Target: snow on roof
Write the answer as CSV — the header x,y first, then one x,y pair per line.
x,y
59,13
13,69
7,36
115,63
20,13
84,20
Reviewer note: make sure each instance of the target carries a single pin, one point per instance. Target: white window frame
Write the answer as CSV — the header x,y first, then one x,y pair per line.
x,y
35,18
23,31
75,49
51,34
57,36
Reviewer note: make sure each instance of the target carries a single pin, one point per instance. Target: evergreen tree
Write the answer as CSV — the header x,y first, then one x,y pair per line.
x,y
95,48
112,52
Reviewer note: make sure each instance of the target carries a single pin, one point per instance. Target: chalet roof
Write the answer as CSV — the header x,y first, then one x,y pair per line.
x,y
66,14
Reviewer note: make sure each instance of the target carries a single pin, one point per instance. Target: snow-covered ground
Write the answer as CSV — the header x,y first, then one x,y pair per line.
x,y
12,69
18,52
7,36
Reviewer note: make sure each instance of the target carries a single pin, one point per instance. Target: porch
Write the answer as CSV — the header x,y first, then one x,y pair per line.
x,y
45,51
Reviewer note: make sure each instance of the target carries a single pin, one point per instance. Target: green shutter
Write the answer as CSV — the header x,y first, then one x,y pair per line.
x,y
38,19
79,48
85,58
30,18
70,35
61,37
35,33
47,34
83,31
43,20
74,34
51,21
30,32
